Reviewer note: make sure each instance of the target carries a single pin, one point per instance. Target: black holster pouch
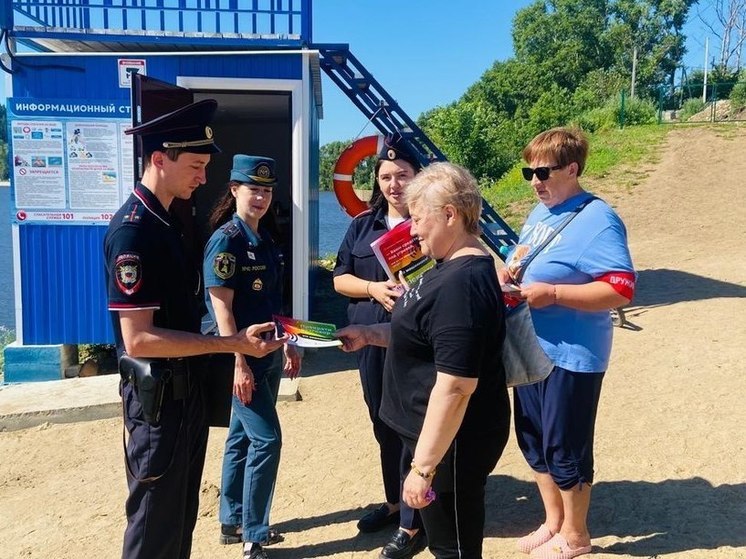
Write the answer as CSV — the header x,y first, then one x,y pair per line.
x,y
149,378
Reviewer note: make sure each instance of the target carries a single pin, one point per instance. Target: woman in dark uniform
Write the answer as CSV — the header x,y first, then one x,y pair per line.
x,y
243,279
359,276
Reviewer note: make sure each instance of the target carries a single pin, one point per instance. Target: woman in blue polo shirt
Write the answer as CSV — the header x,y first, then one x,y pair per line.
x,y
243,271
570,286
359,276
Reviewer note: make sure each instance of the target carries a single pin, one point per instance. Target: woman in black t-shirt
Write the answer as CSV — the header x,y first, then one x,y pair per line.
x,y
444,387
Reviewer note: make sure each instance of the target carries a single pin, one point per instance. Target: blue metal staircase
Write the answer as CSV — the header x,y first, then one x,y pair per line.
x,y
387,116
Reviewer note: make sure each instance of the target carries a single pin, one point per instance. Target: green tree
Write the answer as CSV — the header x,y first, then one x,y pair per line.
x,y
572,57
3,161
473,134
328,156
563,39
655,28
3,124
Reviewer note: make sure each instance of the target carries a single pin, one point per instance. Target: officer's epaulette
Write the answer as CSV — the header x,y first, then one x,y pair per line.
x,y
364,213
134,213
231,230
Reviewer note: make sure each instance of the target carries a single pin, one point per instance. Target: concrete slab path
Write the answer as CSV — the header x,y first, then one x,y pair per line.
x,y
29,404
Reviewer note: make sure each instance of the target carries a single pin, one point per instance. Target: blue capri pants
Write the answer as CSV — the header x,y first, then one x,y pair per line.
x,y
555,421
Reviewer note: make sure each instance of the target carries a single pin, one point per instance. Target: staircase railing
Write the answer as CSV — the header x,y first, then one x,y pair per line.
x,y
281,18
387,116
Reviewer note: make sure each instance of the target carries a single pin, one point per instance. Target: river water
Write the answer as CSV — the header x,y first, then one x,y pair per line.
x,y
333,223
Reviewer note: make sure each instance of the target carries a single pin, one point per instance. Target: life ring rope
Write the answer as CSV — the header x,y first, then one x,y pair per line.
x,y
345,167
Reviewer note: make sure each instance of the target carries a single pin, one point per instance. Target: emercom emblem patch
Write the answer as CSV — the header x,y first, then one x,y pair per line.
x,y
224,265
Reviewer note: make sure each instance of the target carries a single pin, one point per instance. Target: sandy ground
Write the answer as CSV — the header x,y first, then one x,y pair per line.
x,y
670,442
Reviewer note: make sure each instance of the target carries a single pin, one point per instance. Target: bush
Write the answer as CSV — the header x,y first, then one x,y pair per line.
x,y
690,108
636,111
738,94
602,118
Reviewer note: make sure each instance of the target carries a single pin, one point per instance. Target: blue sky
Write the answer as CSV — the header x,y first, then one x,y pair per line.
x,y
425,53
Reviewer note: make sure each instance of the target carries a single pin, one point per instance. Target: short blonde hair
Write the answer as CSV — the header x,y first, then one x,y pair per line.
x,y
442,184
563,145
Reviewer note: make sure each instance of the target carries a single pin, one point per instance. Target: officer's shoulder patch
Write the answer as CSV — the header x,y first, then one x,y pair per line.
x,y
134,213
231,230
128,272
224,265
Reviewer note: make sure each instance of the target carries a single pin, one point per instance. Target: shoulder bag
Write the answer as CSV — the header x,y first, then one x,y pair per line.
x,y
524,359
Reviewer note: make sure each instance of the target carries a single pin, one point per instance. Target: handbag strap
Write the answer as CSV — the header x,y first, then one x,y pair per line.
x,y
549,239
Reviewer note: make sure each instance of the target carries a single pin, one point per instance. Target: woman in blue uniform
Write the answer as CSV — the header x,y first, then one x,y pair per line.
x,y
359,276
243,272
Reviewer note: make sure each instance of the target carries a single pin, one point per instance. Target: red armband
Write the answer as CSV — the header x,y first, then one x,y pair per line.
x,y
622,282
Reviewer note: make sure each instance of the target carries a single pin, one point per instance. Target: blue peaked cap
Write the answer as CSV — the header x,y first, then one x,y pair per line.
x,y
254,169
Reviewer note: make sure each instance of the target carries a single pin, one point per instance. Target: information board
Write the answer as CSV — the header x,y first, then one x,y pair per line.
x,y
71,160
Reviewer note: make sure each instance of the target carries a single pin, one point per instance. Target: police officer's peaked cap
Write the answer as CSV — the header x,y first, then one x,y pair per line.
x,y
394,147
186,129
253,169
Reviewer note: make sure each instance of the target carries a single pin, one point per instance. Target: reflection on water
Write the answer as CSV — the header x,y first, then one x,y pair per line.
x,y
333,223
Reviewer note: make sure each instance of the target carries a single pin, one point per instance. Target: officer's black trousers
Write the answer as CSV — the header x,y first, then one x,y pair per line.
x,y
395,457
161,513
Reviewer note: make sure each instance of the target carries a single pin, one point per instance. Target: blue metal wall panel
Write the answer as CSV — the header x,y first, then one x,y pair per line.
x,y
270,66
96,77
68,77
62,284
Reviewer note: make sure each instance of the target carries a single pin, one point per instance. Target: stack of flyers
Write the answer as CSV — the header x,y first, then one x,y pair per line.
x,y
306,333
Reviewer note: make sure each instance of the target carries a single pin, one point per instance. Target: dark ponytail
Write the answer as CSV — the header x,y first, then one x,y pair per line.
x,y
223,209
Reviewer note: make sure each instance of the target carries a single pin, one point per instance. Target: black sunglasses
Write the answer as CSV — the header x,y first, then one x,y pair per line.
x,y
542,173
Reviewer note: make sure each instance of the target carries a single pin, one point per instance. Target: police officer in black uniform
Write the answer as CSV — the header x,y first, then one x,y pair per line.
x,y
154,297
359,276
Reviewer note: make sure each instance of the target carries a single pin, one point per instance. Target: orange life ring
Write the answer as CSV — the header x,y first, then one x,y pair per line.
x,y
345,167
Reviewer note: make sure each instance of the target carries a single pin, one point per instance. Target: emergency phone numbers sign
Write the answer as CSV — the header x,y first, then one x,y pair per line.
x,y
71,161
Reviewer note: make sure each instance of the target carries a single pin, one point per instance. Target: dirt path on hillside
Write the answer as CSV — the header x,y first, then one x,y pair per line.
x,y
671,435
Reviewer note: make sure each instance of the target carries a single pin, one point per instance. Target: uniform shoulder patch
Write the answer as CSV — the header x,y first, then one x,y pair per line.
x,y
231,230
134,213
128,273
224,265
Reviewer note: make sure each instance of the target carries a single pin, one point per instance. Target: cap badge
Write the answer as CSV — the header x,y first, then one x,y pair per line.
x,y
208,132
263,171
391,154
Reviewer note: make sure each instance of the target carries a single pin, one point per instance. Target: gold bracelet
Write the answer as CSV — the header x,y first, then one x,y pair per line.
x,y
420,473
